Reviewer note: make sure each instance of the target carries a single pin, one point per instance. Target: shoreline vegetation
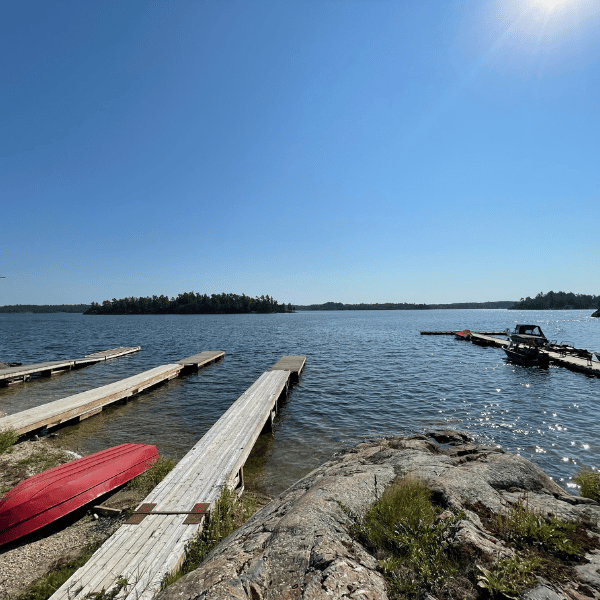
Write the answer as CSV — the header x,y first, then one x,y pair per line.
x,y
403,306
195,303
189,303
558,301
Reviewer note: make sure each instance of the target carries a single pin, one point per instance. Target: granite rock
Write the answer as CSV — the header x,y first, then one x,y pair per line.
x,y
298,546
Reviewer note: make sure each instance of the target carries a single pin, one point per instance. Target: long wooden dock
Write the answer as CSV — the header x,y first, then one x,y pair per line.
x,y
86,404
10,375
153,544
453,332
557,357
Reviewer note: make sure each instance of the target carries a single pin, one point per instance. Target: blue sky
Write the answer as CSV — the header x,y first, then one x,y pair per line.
x,y
433,151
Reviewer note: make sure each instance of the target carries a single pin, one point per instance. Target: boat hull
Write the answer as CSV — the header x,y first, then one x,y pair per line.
x,y
44,498
536,359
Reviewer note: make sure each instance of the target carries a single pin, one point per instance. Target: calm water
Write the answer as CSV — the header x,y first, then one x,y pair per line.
x,y
368,374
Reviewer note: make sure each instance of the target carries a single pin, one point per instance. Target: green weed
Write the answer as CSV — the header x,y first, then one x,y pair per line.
x,y
148,480
403,529
111,594
8,438
590,484
43,588
508,577
526,529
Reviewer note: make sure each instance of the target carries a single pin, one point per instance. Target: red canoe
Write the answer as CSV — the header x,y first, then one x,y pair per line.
x,y
45,497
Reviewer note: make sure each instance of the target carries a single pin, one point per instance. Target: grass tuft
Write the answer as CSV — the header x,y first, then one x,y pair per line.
x,y
43,588
148,480
506,578
8,438
404,530
526,529
590,484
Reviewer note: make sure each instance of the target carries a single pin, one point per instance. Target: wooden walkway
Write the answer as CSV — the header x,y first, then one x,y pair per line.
x,y
200,360
453,332
144,553
10,375
86,404
560,359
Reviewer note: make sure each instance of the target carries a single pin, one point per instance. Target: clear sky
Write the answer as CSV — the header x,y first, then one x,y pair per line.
x,y
430,151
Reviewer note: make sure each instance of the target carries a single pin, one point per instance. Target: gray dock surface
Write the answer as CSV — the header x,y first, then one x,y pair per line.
x,y
145,551
86,404
10,375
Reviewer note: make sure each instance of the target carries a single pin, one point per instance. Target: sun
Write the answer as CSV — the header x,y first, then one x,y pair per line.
x,y
549,5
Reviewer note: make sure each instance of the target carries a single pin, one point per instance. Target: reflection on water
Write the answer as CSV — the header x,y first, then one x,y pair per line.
x,y
368,374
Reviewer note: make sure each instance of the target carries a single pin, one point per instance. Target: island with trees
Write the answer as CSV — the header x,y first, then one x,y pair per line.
x,y
189,303
558,301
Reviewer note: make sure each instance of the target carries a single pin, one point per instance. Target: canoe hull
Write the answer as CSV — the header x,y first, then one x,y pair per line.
x,y
44,498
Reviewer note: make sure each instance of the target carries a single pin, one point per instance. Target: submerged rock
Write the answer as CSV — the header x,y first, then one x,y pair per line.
x,y
298,546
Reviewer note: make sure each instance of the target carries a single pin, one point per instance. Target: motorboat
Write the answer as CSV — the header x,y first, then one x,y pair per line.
x,y
528,334
527,353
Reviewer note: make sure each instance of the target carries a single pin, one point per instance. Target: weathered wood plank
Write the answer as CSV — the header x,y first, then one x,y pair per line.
x,y
65,409
23,370
144,553
11,374
294,364
199,360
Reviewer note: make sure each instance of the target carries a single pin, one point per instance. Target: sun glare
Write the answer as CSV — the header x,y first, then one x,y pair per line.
x,y
549,5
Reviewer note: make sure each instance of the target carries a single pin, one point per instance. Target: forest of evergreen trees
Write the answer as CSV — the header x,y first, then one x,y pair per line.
x,y
558,300
44,308
189,303
404,306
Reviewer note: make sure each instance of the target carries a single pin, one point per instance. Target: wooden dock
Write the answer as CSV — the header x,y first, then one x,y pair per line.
x,y
453,332
574,363
86,404
293,364
200,360
557,357
153,543
10,375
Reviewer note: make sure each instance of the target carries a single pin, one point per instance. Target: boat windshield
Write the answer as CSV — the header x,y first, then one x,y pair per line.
x,y
529,330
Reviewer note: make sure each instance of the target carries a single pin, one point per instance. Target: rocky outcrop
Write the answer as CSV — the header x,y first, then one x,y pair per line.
x,y
596,314
298,546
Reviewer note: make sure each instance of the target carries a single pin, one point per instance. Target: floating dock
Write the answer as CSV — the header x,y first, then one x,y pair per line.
x,y
453,332
199,360
10,375
557,357
86,404
152,544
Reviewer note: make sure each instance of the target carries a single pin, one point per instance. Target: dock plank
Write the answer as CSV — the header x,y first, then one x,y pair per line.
x,y
65,409
199,360
10,375
145,553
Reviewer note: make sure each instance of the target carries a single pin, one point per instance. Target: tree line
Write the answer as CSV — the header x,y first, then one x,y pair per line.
x,y
44,308
189,303
404,306
558,300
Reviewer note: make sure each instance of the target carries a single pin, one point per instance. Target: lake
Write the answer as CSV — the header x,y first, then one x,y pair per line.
x,y
368,374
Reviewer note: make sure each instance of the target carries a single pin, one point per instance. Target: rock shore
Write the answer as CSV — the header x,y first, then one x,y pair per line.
x,y
299,547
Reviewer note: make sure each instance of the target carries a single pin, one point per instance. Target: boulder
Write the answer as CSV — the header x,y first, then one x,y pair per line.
x,y
298,546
